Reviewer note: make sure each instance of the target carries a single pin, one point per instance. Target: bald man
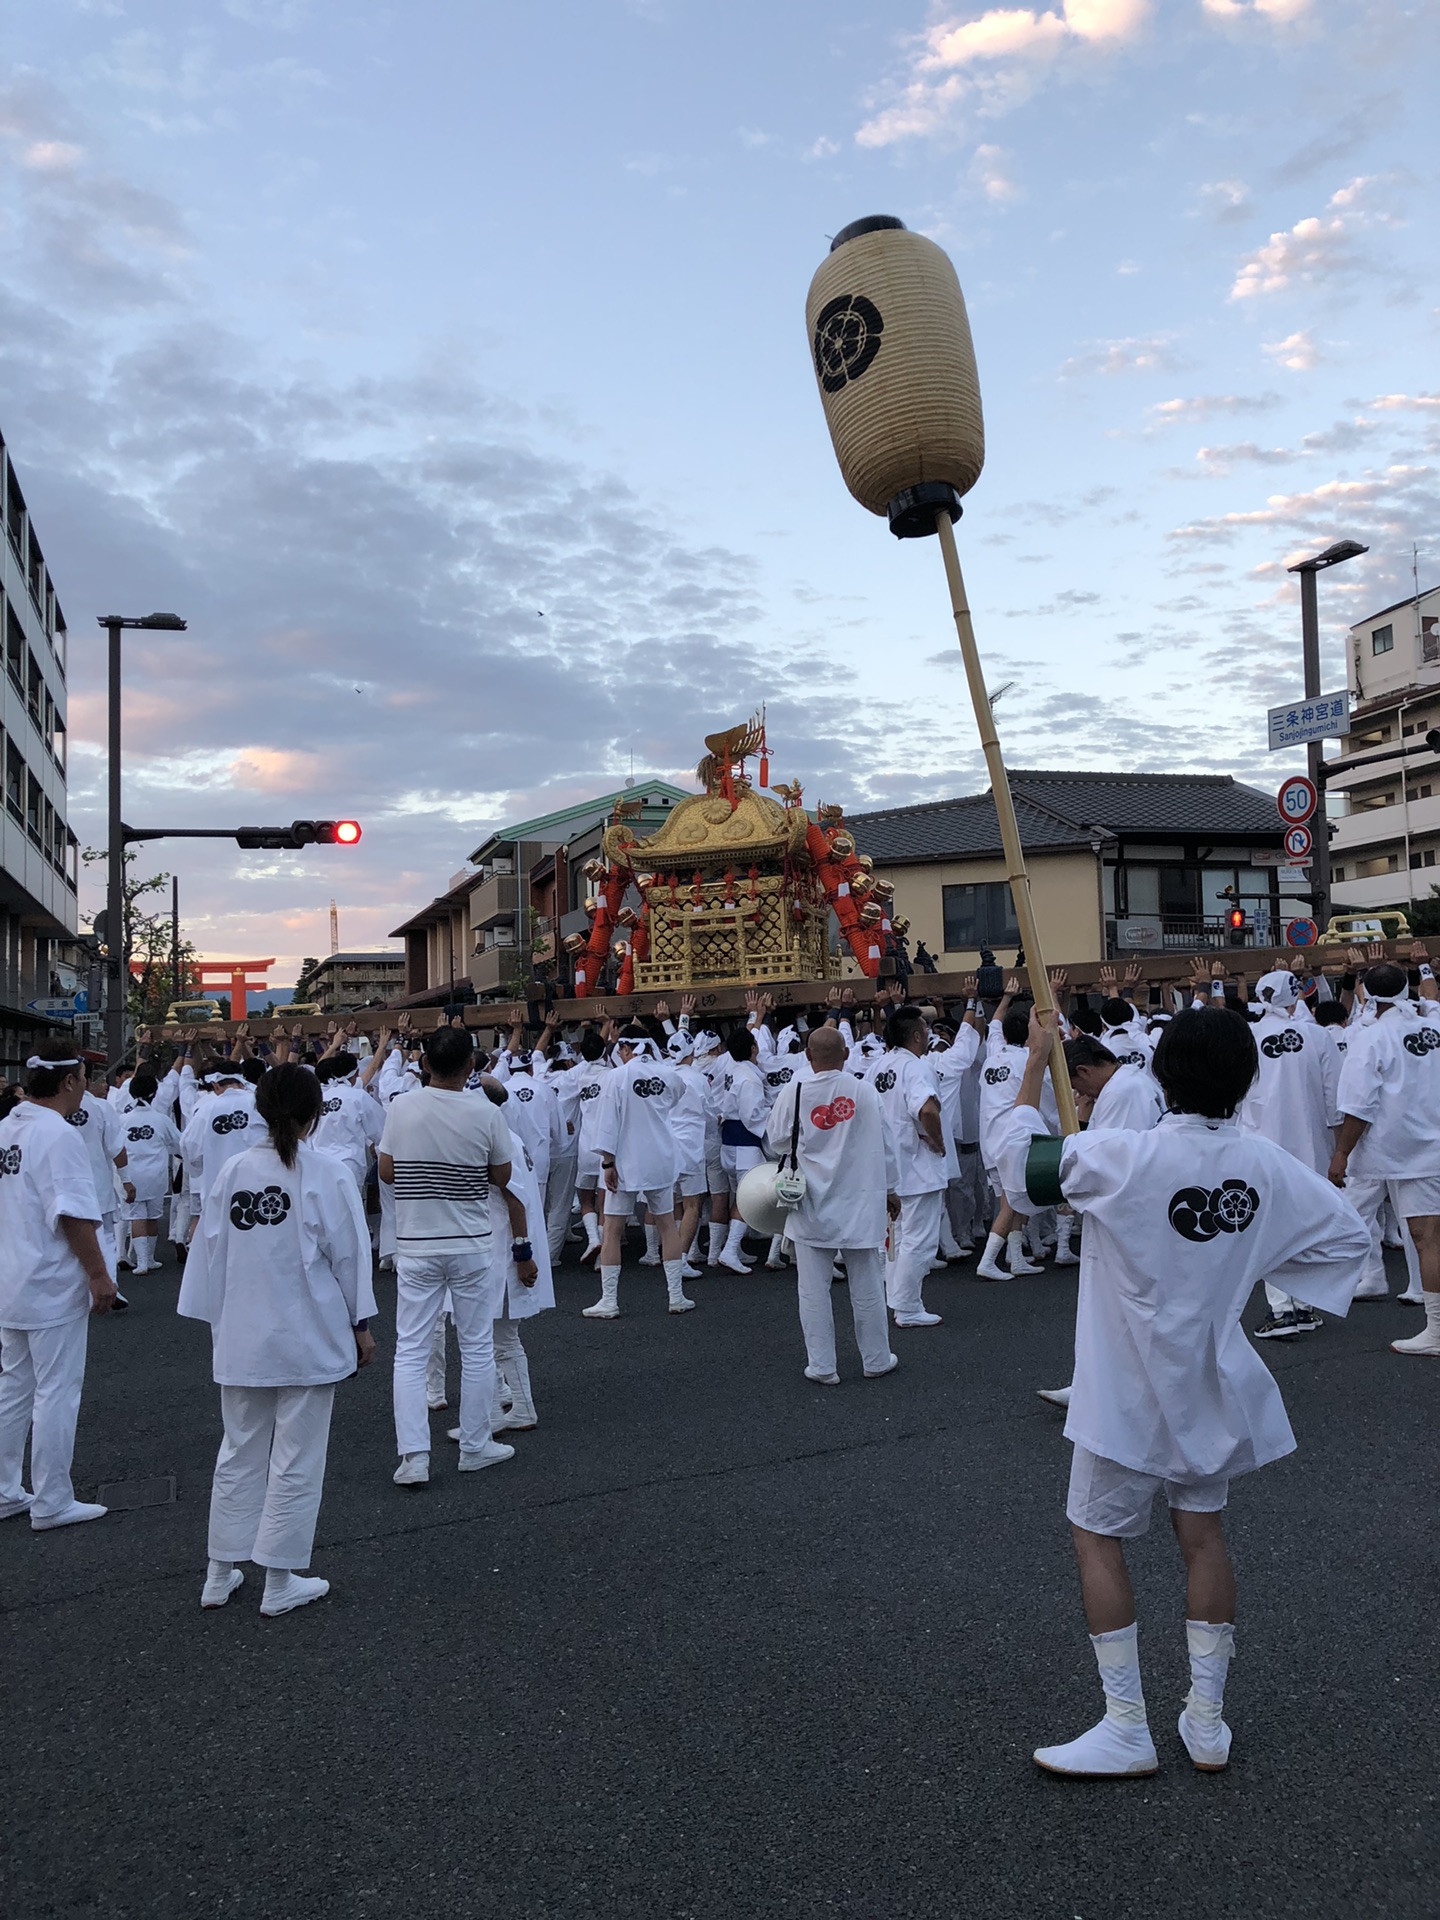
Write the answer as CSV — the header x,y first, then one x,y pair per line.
x,y
847,1156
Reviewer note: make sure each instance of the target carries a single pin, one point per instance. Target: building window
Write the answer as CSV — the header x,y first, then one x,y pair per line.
x,y
1381,864
14,780
1337,873
980,916
1382,640
1426,859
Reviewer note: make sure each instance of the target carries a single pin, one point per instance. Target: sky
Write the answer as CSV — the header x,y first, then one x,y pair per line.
x,y
444,365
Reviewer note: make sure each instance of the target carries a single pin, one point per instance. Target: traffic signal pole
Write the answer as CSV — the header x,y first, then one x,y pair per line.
x,y
1315,751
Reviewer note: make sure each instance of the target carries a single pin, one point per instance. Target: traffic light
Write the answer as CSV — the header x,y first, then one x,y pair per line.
x,y
300,833
1235,920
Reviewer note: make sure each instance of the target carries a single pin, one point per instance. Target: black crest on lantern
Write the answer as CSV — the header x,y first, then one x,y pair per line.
x,y
847,339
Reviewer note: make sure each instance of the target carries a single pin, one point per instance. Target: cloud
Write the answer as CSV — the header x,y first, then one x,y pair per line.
x,y
1321,248
1226,201
989,170
1384,504
822,149
1109,357
1337,141
1297,351
1243,452
1201,406
994,62
1282,11
1407,403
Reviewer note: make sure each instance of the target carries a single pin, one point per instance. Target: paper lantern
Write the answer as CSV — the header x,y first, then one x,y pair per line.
x,y
893,357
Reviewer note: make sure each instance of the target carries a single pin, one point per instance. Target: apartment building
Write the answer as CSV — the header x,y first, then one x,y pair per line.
x,y
346,981
1386,815
38,855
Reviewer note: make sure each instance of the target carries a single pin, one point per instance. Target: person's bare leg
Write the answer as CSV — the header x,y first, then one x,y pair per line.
x,y
612,1239
1425,1232
1105,1589
689,1223
1210,1582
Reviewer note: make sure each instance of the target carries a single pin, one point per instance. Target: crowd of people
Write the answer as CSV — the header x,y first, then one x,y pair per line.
x,y
1231,1137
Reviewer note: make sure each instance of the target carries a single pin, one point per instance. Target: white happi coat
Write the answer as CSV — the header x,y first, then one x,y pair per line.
x,y
740,1100
904,1082
520,1301
633,1124
102,1131
222,1125
149,1137
350,1125
533,1116
1128,1099
779,1070
692,1121
45,1178
1180,1223
1000,1078
951,1066
590,1078
280,1268
1391,1079
1292,1099
846,1154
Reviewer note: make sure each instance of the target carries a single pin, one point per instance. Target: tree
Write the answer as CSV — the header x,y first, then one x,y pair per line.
x,y
148,944
1424,915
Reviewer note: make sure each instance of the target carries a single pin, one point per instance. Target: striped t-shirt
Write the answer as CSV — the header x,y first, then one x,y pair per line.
x,y
443,1145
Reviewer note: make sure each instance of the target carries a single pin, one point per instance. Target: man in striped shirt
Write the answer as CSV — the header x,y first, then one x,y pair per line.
x,y
441,1151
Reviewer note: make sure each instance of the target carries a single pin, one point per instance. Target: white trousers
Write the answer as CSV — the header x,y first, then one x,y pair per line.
x,y
477,1294
966,1197
865,1272
44,1370
559,1198
269,1474
1368,1197
918,1231
513,1363
182,1210
385,1246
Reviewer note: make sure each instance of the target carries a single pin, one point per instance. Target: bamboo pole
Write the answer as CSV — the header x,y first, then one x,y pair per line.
x,y
1009,827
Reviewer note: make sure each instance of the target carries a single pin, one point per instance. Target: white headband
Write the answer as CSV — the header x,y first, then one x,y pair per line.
x,y
645,1047
35,1064
217,1074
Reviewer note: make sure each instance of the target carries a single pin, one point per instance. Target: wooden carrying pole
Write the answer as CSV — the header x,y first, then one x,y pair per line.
x,y
1009,827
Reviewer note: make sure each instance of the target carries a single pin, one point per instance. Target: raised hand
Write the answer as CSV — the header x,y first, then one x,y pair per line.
x,y
1059,979
661,1009
688,1004
1107,979
1012,986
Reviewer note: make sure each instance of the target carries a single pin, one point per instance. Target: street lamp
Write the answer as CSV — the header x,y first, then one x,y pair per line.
x,y
117,959
1315,751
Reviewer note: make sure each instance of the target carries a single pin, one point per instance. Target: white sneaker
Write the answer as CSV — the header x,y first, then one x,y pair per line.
x,y
436,1406
649,1260
965,1250
512,1421
680,1304
1018,1273
493,1454
879,1373
691,1272
413,1470
1067,1258
1109,1751
11,1509
776,1266
917,1320
938,1266
1057,1396
1415,1299
297,1590
1371,1290
822,1379
74,1515
602,1310
220,1585
387,1263
1209,1750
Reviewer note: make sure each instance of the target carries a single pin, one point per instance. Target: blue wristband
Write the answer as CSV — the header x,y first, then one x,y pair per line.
x,y
520,1250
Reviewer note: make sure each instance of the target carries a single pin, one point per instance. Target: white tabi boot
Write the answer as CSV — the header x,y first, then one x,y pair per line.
x,y
521,1417
775,1258
1064,1227
651,1255
988,1266
1206,1736
674,1272
730,1256
1428,1341
591,1224
1018,1263
714,1242
1120,1744
607,1307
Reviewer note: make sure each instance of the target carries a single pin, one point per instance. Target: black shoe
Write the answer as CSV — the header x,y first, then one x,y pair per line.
x,y
1280,1326
1307,1320
119,1304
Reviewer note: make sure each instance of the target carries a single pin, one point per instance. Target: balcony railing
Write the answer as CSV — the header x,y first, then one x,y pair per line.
x,y
1175,933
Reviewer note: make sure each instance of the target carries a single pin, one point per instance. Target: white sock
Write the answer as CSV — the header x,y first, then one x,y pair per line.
x,y
592,1229
674,1274
609,1279
776,1242
1118,1657
1017,1248
1211,1649
735,1236
715,1242
1432,1314
652,1240
1064,1227
994,1247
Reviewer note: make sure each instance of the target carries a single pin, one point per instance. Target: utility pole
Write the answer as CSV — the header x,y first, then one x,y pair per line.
x,y
1315,749
179,991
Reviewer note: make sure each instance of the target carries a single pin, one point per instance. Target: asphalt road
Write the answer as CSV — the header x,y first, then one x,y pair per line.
x,y
720,1643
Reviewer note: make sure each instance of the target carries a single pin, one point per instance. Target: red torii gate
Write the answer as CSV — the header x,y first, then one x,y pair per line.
x,y
233,972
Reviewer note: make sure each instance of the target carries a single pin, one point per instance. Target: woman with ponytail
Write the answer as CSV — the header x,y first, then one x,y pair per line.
x,y
280,1268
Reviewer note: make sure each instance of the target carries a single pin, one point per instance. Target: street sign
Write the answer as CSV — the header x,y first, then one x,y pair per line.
x,y
1296,800
1298,842
1297,876
1140,936
55,1008
1327,717
1301,933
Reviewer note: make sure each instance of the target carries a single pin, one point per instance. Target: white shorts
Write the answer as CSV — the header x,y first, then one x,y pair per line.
x,y
659,1200
691,1185
1416,1199
1107,1498
144,1206
587,1172
737,1162
717,1181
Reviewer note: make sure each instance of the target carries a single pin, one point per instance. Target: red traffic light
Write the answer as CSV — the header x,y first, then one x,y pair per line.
x,y
1237,918
347,832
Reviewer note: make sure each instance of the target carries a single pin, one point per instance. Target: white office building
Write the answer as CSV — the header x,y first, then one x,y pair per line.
x,y
38,854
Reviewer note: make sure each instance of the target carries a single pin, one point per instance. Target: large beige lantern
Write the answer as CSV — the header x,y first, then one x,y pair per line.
x,y
890,342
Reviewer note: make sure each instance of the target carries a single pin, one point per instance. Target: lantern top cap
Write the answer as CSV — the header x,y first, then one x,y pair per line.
x,y
872,223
